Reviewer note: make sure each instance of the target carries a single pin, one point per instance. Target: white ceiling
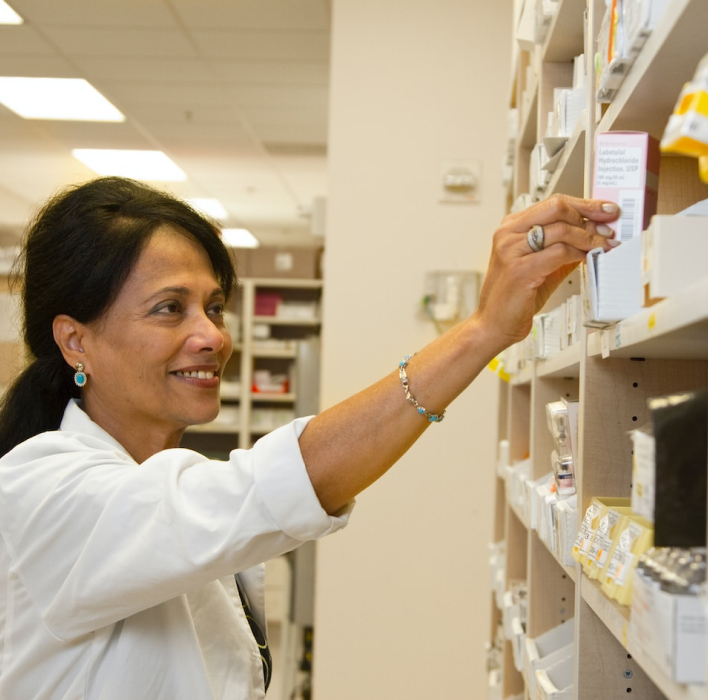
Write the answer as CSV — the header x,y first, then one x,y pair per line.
x,y
234,91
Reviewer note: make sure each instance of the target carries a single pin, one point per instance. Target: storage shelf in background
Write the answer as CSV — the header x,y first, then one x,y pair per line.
x,y
674,328
565,364
565,37
616,618
277,354
674,48
287,283
265,397
523,376
529,118
568,176
276,321
219,428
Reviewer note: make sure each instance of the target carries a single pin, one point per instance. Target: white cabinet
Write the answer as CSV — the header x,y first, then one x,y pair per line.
x,y
611,371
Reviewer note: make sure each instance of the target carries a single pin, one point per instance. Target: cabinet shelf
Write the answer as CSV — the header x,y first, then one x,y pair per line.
x,y
674,49
565,38
674,328
265,397
616,619
565,364
218,428
568,176
275,354
275,321
671,337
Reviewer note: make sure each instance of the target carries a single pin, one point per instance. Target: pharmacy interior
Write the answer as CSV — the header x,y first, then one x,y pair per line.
x,y
548,539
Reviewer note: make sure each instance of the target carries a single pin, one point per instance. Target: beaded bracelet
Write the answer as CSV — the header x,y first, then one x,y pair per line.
x,y
432,417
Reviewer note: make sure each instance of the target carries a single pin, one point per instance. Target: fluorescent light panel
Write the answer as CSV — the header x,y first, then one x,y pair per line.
x,y
8,15
239,238
141,165
210,207
69,99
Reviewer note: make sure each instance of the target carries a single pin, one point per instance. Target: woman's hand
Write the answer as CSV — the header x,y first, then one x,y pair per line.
x,y
519,281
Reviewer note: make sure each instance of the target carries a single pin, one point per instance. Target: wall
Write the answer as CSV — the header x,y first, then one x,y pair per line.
x,y
402,607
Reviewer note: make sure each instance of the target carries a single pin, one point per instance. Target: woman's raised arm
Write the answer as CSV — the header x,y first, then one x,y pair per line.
x,y
349,446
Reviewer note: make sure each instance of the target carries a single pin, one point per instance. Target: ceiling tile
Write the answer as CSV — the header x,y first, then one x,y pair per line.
x,y
274,72
162,70
296,46
36,66
119,41
281,95
23,39
304,134
97,13
295,115
94,135
183,95
255,14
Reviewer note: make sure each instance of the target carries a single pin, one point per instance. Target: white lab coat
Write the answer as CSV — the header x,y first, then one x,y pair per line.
x,y
120,576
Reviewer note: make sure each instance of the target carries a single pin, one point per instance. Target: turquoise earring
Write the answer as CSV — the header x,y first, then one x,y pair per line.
x,y
80,378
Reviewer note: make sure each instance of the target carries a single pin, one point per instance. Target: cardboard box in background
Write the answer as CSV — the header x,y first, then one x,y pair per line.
x,y
279,263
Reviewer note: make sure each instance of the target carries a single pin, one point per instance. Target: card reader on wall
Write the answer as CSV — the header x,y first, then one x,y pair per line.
x,y
451,296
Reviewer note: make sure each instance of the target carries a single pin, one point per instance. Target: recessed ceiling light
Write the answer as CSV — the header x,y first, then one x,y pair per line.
x,y
141,165
239,238
210,207
71,99
8,15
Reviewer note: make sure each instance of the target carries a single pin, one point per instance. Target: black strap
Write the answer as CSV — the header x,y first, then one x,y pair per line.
x,y
260,638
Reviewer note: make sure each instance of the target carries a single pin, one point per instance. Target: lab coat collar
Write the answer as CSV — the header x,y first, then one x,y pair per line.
x,y
76,420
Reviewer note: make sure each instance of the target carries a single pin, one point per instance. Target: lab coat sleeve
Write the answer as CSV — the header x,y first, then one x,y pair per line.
x,y
95,537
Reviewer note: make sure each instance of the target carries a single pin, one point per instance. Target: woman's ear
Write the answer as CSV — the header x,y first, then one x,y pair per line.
x,y
68,335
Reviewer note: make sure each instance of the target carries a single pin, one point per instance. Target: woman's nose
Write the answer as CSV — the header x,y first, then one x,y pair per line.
x,y
205,335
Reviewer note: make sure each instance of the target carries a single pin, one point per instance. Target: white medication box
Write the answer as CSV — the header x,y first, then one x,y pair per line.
x,y
674,254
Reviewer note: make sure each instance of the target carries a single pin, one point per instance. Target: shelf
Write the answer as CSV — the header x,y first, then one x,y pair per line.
x,y
272,398
277,354
529,117
286,283
565,39
228,394
565,364
616,618
522,377
674,328
276,321
219,428
673,49
568,176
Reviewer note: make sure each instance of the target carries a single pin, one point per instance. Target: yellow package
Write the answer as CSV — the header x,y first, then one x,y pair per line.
x,y
589,524
687,129
635,535
601,542
582,539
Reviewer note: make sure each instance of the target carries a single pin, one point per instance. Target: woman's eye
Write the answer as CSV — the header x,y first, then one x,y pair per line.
x,y
216,310
170,307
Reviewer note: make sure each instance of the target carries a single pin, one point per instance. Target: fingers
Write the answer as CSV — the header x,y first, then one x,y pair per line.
x,y
585,237
559,207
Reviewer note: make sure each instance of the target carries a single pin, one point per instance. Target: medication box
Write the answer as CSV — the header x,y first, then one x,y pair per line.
x,y
627,172
670,629
674,253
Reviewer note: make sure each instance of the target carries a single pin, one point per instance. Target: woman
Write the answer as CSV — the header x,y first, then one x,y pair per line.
x,y
118,548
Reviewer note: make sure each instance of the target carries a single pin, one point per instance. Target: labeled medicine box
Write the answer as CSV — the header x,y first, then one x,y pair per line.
x,y
627,173
674,254
670,629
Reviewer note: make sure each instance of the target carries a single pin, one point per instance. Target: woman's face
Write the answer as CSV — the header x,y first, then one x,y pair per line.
x,y
155,359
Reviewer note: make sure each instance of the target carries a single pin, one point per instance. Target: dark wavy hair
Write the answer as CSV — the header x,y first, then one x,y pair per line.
x,y
77,254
